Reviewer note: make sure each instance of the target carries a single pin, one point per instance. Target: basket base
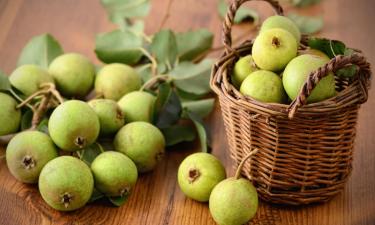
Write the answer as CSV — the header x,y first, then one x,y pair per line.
x,y
296,197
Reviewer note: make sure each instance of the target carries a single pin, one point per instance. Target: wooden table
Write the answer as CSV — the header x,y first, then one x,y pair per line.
x,y
157,198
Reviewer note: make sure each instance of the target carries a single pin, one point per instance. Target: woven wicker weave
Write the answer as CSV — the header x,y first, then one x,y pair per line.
x,y
305,151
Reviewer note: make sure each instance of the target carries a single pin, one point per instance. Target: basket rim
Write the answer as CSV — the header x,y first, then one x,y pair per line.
x,y
354,94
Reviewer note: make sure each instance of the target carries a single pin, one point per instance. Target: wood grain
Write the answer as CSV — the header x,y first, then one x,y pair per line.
x,y
157,198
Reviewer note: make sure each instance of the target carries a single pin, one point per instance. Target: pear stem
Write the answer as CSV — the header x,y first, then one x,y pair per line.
x,y
239,168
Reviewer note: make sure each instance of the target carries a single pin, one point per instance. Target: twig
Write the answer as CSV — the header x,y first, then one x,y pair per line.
x,y
54,92
154,80
57,95
154,64
166,15
38,115
21,100
31,97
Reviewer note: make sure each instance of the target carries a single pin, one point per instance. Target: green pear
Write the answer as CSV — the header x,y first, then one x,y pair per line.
x,y
311,51
115,174
142,142
137,106
198,174
296,73
110,115
10,116
242,68
283,23
66,183
27,153
264,86
28,78
233,202
73,125
115,80
73,73
273,49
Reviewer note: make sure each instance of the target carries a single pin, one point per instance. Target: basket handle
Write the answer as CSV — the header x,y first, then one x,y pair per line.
x,y
229,18
336,63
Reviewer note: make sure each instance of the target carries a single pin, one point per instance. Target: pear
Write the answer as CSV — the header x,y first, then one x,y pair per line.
x,y
73,125
115,174
142,142
264,86
242,68
283,23
66,183
234,201
10,116
115,80
273,49
312,51
198,174
73,73
110,115
28,78
138,106
27,153
296,73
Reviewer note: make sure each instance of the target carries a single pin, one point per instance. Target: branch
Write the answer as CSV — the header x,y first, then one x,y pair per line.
x,y
43,107
166,15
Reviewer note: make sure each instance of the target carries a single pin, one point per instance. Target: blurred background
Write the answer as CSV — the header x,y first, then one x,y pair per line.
x,y
76,22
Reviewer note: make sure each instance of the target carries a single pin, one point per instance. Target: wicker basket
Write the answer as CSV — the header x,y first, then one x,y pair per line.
x,y
304,151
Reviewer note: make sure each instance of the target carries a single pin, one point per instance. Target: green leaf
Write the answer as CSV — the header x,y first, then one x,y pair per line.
x,y
26,119
193,43
118,46
43,126
164,48
330,47
304,3
202,108
40,50
307,24
347,72
4,82
242,14
201,129
333,48
188,96
96,195
118,201
89,153
145,72
178,133
193,78
168,106
120,10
